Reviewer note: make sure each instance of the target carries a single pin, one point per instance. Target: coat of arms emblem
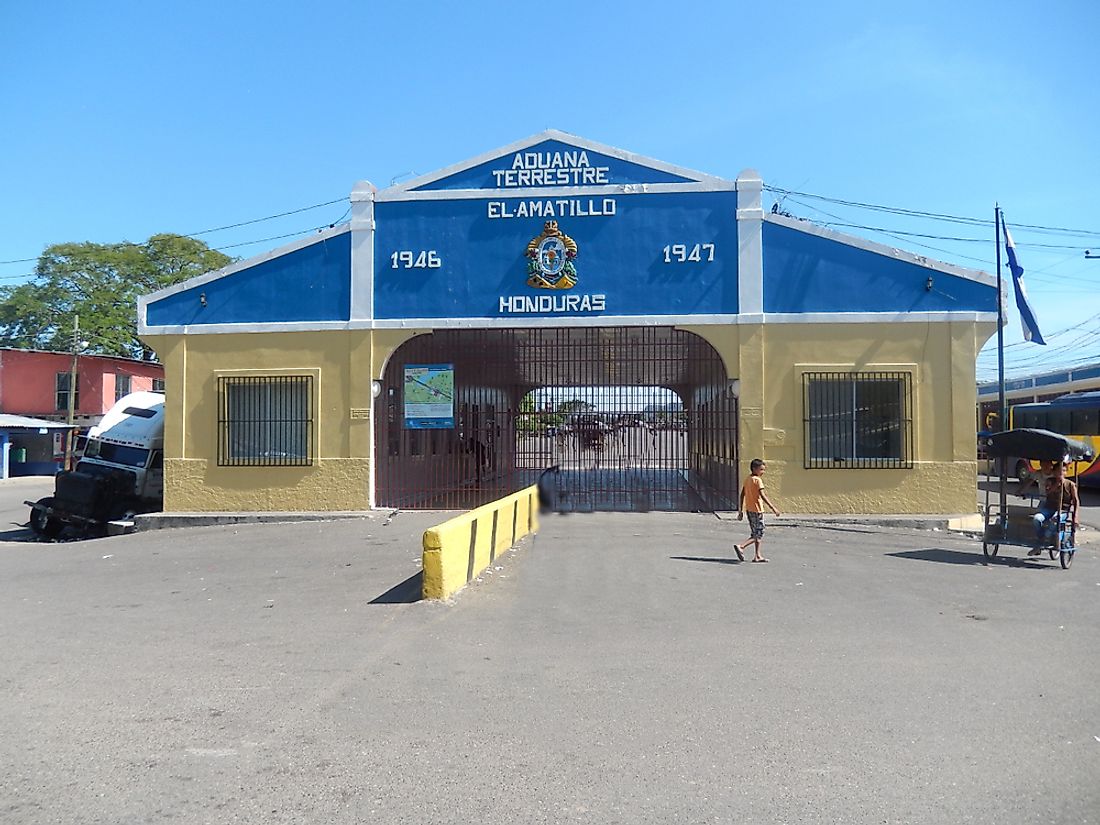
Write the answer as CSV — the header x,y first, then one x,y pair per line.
x,y
551,254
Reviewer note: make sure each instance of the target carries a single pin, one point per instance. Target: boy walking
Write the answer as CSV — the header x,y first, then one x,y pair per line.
x,y
752,494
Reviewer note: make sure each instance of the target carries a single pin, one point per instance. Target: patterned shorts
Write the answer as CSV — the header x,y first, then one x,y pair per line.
x,y
756,525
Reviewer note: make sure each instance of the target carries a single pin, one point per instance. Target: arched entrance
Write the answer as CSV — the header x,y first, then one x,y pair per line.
x,y
634,418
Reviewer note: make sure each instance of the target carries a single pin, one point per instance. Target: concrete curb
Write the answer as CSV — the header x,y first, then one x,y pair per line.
x,y
165,521
967,522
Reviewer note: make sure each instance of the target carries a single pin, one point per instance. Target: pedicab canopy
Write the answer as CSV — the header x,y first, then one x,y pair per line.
x,y
1037,445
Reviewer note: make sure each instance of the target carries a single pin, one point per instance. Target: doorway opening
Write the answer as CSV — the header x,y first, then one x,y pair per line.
x,y
632,418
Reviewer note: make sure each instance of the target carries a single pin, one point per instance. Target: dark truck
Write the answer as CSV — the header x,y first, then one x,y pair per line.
x,y
120,474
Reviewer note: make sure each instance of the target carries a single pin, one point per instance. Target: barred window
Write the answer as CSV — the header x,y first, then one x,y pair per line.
x,y
265,421
858,420
122,386
62,391
158,385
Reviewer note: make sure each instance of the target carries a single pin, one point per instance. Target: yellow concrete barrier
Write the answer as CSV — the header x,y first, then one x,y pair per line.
x,y
460,548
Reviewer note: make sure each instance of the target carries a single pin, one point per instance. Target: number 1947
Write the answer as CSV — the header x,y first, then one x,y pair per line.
x,y
679,253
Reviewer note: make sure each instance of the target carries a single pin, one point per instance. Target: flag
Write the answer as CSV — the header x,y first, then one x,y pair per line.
x,y
1027,314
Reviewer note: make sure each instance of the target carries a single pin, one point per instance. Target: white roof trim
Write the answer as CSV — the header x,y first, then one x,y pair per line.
x,y
580,321
248,263
551,134
877,317
882,249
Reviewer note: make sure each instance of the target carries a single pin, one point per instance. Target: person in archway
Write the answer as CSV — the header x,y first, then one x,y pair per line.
x,y
752,501
548,489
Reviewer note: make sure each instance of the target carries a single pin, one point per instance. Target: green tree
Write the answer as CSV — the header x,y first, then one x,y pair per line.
x,y
527,420
576,406
101,283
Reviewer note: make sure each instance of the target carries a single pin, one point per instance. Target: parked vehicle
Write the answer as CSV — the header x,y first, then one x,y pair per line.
x,y
120,474
1076,416
1012,525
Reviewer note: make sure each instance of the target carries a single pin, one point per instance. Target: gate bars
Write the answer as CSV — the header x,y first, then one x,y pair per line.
x,y
634,418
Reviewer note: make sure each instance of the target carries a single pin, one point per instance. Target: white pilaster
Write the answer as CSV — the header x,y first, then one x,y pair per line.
x,y
750,245
362,251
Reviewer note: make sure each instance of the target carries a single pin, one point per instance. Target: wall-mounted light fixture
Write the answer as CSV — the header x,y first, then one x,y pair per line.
x,y
202,299
375,389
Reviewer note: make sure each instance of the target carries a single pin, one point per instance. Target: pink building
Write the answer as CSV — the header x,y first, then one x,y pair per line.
x,y
36,384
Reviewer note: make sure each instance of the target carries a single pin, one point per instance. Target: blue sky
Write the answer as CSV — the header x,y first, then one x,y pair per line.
x,y
126,119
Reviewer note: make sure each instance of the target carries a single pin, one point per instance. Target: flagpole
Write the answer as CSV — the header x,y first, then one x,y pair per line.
x,y
1001,417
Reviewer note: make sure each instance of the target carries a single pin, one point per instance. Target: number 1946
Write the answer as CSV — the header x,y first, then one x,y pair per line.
x,y
407,259
679,253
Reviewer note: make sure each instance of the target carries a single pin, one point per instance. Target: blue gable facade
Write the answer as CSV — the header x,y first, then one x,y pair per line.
x,y
805,271
311,283
639,240
551,163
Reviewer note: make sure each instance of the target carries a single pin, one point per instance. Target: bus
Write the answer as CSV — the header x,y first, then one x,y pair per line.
x,y
1076,415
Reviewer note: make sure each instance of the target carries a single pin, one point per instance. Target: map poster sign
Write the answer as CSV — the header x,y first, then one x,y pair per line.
x,y
429,396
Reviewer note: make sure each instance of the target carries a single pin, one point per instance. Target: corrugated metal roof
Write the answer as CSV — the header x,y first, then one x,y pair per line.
x,y
12,422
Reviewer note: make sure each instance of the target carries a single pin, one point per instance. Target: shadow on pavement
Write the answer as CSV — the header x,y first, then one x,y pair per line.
x,y
706,558
837,528
956,557
409,591
19,533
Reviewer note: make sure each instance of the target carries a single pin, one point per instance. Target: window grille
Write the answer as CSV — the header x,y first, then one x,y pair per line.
x,y
62,394
122,386
265,421
858,420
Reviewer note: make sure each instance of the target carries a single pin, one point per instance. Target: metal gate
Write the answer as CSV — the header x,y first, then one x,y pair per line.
x,y
629,418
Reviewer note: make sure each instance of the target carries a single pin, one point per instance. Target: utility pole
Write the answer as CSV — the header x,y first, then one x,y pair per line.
x,y
69,439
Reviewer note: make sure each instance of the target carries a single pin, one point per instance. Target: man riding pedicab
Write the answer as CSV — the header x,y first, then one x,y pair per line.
x,y
1060,504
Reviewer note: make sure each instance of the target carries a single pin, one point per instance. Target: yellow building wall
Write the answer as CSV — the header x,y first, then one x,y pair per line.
x,y
769,361
343,364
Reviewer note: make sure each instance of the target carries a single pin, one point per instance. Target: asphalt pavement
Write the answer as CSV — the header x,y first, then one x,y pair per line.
x,y
616,668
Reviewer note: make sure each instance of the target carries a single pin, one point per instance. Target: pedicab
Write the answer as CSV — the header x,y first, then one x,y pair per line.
x,y
1012,524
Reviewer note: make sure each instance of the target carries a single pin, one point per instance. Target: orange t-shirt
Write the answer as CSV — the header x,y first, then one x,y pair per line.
x,y
751,492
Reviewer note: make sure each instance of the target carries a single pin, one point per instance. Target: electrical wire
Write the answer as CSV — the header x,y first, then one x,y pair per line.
x,y
932,215
277,237
948,252
228,226
839,221
1042,276
268,218
1077,350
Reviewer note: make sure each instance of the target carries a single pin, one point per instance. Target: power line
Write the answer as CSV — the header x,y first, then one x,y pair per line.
x,y
982,261
276,237
268,218
228,226
931,215
896,232
1039,275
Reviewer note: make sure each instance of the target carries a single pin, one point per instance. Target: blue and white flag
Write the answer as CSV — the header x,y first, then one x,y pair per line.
x,y
1027,314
